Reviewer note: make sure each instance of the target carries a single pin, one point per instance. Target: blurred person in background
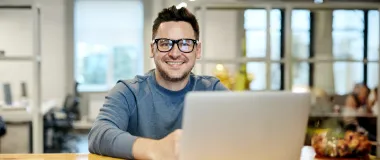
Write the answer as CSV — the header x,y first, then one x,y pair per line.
x,y
356,88
350,109
374,103
363,95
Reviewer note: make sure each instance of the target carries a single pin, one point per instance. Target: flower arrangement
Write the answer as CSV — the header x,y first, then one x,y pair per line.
x,y
347,145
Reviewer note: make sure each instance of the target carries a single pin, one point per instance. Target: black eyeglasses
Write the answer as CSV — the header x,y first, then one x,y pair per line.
x,y
184,45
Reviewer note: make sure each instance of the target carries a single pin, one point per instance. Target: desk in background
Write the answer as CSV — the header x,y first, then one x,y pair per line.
x,y
82,124
18,120
18,138
94,103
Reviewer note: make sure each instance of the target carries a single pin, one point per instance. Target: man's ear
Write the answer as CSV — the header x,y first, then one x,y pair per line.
x,y
151,50
198,52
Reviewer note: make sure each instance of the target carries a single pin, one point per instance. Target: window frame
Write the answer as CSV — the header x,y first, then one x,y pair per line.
x,y
286,83
365,45
312,48
311,54
271,64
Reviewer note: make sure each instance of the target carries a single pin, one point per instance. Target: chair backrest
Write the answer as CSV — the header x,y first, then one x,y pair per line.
x,y
71,104
3,128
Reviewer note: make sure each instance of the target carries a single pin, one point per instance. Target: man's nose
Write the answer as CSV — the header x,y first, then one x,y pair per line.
x,y
175,52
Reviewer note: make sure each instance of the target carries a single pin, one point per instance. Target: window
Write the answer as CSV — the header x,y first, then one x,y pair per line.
x,y
255,27
301,33
373,48
348,36
373,35
349,47
108,42
301,46
258,70
373,75
348,43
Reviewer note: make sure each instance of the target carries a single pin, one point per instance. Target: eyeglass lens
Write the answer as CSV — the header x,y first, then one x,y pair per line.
x,y
184,45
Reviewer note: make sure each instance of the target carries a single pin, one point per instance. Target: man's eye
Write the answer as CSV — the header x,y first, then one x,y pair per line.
x,y
185,44
165,44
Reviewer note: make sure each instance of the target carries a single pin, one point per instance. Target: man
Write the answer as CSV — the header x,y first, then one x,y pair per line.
x,y
141,118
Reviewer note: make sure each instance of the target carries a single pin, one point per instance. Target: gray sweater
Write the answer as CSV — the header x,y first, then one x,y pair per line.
x,y
141,108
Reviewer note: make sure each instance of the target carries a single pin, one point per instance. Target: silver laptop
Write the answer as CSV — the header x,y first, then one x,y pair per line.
x,y
244,125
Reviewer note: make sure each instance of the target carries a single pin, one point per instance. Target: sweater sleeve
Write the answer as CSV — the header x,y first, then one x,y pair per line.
x,y
108,134
220,87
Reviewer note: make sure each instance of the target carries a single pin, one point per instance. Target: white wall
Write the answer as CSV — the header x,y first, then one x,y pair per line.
x,y
16,40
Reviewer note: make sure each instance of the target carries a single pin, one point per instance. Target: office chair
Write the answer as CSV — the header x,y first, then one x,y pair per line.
x,y
59,124
3,129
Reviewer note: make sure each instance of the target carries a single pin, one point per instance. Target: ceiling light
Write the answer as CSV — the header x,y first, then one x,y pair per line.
x,y
183,4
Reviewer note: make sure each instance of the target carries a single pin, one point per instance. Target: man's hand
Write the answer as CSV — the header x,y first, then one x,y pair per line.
x,y
166,148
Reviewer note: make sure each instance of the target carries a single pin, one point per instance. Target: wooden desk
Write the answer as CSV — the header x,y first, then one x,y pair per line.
x,y
71,156
58,156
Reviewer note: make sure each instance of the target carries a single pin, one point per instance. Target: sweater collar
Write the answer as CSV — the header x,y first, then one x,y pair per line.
x,y
168,92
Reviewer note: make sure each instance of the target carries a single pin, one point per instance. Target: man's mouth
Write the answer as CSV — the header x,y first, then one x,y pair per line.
x,y
174,63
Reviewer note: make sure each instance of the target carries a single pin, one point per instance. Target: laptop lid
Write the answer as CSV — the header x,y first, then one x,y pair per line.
x,y
244,125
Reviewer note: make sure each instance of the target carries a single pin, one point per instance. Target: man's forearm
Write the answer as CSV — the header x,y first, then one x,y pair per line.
x,y
110,141
143,148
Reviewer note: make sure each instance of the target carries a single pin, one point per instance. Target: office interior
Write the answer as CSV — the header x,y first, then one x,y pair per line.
x,y
58,58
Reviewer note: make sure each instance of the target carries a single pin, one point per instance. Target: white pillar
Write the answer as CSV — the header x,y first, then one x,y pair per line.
x,y
288,49
221,38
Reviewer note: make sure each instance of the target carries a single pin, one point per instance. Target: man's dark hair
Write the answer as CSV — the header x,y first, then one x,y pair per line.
x,y
174,14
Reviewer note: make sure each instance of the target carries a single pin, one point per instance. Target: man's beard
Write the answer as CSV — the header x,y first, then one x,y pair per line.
x,y
167,77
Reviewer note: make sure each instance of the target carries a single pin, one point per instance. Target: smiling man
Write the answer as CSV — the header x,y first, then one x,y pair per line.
x,y
141,118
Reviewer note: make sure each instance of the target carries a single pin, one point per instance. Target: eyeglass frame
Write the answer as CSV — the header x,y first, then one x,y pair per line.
x,y
174,43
